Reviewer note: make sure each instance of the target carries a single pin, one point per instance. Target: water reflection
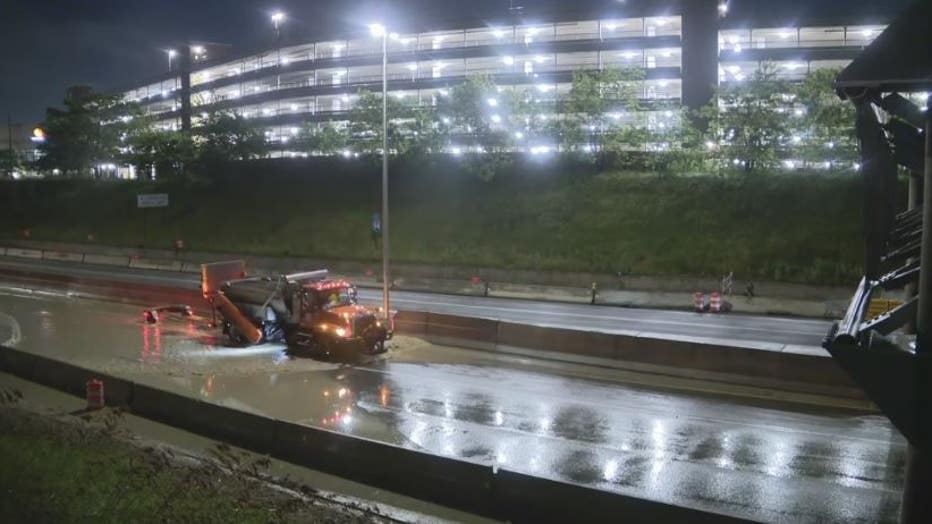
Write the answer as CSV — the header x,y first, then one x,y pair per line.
x,y
151,343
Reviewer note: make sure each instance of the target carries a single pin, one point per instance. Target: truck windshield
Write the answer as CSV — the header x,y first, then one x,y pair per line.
x,y
331,298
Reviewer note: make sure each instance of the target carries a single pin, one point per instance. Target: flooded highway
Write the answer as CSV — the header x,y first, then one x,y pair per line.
x,y
762,461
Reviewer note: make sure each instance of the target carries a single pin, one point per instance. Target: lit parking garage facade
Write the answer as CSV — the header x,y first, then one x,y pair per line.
x,y
683,48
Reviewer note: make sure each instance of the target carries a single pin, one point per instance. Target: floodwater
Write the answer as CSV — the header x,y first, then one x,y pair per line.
x,y
762,461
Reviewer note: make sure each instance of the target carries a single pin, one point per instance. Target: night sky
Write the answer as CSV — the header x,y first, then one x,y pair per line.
x,y
47,45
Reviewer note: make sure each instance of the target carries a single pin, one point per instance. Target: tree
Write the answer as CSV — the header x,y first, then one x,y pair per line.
x,y
826,123
226,136
748,119
90,130
324,138
428,135
595,99
169,153
675,144
478,113
10,162
366,123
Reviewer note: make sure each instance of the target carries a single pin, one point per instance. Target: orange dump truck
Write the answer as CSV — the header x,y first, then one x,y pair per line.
x,y
304,309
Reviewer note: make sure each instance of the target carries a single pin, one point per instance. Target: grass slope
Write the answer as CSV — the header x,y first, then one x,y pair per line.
x,y
786,227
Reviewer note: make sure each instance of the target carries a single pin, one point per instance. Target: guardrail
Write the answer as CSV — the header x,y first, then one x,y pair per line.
x,y
474,487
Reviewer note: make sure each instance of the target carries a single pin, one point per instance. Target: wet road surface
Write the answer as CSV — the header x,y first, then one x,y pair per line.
x,y
734,328
762,461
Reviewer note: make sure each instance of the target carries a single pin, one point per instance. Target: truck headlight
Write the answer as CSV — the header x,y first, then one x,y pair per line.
x,y
340,332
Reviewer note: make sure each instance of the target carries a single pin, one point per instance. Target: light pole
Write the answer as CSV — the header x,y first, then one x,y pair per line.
x,y
171,54
277,18
378,30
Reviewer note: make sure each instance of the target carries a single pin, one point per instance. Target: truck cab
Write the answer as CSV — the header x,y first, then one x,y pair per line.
x,y
331,315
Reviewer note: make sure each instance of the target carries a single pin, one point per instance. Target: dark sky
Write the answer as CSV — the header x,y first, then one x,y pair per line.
x,y
47,45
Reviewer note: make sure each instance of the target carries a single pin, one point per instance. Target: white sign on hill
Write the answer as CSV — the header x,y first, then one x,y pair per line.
x,y
152,200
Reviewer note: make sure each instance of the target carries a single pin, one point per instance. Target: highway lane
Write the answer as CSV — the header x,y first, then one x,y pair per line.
x,y
736,328
762,461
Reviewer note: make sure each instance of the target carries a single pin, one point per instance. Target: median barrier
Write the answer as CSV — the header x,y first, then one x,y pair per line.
x,y
575,342
434,285
20,252
156,264
412,323
526,498
2,251
449,481
244,429
190,267
480,332
63,256
536,292
171,408
63,376
106,260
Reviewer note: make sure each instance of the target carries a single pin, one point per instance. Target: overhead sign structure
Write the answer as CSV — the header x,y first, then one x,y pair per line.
x,y
152,200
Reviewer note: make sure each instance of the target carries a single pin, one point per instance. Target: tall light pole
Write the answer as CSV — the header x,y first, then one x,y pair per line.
x,y
277,18
379,30
171,54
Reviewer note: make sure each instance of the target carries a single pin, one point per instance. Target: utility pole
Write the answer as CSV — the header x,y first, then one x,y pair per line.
x,y
385,251
9,138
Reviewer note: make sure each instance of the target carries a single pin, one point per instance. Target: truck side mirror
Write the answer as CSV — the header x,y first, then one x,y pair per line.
x,y
353,293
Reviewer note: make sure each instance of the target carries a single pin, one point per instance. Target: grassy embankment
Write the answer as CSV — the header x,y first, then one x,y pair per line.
x,y
58,471
785,227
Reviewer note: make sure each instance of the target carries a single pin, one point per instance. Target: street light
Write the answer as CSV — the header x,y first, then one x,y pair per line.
x,y
379,31
171,54
277,18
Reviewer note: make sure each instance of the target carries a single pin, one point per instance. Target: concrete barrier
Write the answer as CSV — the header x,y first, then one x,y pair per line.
x,y
2,251
106,260
538,292
64,256
522,497
190,267
170,408
440,479
20,252
64,376
156,264
436,285
480,332
412,323
575,342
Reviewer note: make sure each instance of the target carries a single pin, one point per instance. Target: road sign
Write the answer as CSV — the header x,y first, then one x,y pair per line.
x,y
152,200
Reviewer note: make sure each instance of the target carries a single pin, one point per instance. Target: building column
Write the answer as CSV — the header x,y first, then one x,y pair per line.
x,y
699,51
184,70
924,317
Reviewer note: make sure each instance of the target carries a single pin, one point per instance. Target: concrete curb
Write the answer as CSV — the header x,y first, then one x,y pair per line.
x,y
473,487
